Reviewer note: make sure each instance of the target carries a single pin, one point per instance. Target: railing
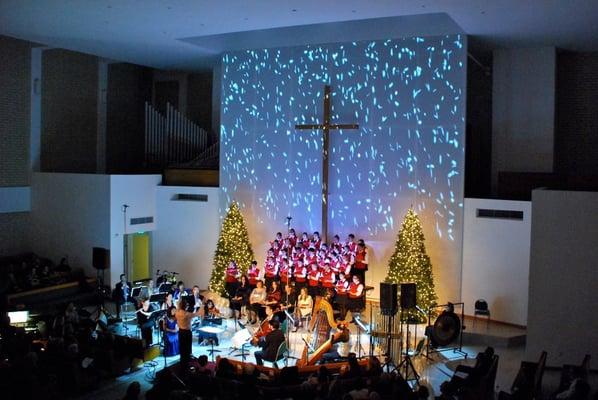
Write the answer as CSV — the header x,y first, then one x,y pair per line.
x,y
172,138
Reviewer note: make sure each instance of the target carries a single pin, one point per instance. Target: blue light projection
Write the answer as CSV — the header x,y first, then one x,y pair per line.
x,y
408,97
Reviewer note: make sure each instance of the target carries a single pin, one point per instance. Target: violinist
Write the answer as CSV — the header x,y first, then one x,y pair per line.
x,y
265,328
270,344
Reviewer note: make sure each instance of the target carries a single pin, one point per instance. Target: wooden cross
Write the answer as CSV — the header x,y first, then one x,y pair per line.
x,y
326,127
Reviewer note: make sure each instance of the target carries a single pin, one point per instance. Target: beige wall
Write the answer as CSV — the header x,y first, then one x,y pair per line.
x,y
563,278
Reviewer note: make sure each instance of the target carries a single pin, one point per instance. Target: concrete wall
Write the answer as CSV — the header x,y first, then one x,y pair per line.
x,y
496,260
139,193
563,278
187,233
523,110
69,216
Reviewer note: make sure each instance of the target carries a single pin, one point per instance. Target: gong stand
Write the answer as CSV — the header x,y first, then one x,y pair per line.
x,y
459,326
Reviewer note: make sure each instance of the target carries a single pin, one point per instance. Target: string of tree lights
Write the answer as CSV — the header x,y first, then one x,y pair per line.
x,y
411,264
233,245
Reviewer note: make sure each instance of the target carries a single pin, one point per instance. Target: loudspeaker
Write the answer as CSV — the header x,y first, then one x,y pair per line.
x,y
101,258
388,298
408,295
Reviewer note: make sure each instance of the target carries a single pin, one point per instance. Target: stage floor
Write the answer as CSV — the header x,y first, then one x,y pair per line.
x,y
433,370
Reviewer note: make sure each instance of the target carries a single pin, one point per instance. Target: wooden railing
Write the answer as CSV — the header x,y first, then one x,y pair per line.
x,y
171,138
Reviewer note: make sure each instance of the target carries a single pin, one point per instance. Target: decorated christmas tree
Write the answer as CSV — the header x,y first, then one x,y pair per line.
x,y
410,264
233,245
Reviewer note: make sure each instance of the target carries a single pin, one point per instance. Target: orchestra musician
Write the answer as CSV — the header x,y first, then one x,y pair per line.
x,y
211,316
180,291
171,333
240,300
265,328
146,324
270,344
150,290
274,295
168,302
341,287
305,304
197,298
256,301
230,279
121,293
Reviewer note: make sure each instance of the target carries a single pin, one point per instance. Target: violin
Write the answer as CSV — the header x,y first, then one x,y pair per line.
x,y
263,330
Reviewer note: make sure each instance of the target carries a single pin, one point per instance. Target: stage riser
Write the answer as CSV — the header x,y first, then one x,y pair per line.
x,y
477,339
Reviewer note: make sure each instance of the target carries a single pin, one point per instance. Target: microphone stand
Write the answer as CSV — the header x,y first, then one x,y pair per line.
x,y
289,218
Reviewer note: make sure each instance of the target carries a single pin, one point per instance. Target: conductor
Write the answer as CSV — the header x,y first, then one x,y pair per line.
x,y
183,319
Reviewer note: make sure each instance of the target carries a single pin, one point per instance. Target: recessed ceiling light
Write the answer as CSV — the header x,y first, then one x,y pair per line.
x,y
353,11
294,10
483,12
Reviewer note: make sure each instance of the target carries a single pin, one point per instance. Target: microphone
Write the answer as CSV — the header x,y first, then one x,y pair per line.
x,y
126,206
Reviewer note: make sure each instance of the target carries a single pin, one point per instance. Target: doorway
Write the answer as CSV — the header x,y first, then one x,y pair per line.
x,y
139,256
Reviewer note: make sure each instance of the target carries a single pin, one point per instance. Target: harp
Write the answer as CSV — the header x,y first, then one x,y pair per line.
x,y
321,326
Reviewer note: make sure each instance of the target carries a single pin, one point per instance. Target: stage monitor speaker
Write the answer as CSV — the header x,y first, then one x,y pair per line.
x,y
388,298
408,295
101,258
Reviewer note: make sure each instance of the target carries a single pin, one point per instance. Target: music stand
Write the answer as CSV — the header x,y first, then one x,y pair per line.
x,y
214,330
158,298
137,290
165,287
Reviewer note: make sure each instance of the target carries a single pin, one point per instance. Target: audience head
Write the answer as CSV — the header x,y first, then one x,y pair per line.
x,y
133,391
123,278
171,311
195,290
202,360
243,280
180,286
259,284
356,279
254,264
